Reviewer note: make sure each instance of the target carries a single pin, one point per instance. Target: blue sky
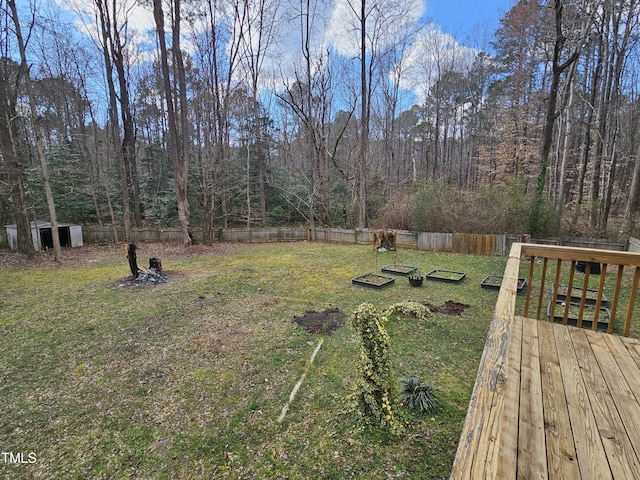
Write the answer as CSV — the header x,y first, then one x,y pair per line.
x,y
460,17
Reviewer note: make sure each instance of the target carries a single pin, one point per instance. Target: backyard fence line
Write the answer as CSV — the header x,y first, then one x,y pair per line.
x,y
428,241
596,243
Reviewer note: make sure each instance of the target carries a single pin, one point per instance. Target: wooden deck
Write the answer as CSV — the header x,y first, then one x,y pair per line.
x,y
551,401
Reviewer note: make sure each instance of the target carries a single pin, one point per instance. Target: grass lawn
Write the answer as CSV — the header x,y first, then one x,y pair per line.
x,y
187,379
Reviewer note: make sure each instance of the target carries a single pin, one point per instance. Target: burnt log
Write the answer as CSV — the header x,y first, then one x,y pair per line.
x,y
155,264
130,250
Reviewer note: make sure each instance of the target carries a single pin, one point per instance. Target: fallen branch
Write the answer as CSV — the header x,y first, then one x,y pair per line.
x,y
285,409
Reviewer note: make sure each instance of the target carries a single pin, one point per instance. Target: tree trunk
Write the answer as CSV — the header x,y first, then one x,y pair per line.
x,y
129,136
105,31
551,114
361,165
183,142
57,251
177,145
562,185
632,200
15,170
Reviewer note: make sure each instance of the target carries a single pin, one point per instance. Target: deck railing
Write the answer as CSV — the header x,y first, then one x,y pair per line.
x,y
479,454
594,289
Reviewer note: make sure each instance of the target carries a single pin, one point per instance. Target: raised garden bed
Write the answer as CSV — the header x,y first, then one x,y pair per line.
x,y
594,268
399,269
576,296
588,314
373,280
447,276
493,282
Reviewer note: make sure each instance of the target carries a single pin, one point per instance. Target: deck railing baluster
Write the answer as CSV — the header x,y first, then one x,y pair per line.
x,y
567,303
616,297
532,263
583,297
596,313
554,293
542,282
632,301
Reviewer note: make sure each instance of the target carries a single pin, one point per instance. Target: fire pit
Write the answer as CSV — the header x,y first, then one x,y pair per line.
x,y
140,277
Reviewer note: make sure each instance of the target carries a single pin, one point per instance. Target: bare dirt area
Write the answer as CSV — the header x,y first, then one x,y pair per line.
x,y
321,322
448,308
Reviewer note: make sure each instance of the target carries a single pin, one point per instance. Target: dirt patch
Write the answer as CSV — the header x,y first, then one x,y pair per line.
x,y
449,307
321,322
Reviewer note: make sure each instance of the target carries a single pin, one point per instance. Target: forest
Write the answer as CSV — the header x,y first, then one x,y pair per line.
x,y
346,113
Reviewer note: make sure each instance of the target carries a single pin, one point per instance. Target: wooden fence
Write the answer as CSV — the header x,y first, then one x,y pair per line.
x,y
634,245
579,242
427,241
439,242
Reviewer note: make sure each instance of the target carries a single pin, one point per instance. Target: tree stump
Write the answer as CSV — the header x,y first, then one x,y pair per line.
x,y
130,250
155,264
377,239
384,239
390,240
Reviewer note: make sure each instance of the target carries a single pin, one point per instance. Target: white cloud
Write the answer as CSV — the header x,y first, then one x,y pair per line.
x,y
432,54
335,26
384,21
139,19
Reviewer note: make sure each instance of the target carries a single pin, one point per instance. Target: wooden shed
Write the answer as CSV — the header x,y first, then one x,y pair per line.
x,y
70,235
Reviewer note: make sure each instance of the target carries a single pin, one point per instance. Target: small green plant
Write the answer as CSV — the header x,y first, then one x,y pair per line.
x,y
409,309
416,274
418,396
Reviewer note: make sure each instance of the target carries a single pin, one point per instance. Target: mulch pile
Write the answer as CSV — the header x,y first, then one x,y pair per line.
x,y
321,322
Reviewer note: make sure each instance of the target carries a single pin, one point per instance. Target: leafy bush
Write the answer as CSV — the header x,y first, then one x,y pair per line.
x,y
436,207
396,213
543,219
417,396
433,207
374,388
409,309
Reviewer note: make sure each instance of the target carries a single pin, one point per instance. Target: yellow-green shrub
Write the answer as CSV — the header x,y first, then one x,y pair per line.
x,y
375,394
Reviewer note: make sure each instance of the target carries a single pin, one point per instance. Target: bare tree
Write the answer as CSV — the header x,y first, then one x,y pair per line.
x,y
177,108
57,251
257,23
307,93
560,62
14,168
370,28
108,46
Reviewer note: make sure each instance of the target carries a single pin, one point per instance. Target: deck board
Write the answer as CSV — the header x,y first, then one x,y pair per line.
x,y
508,453
566,407
590,454
561,452
620,455
532,458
